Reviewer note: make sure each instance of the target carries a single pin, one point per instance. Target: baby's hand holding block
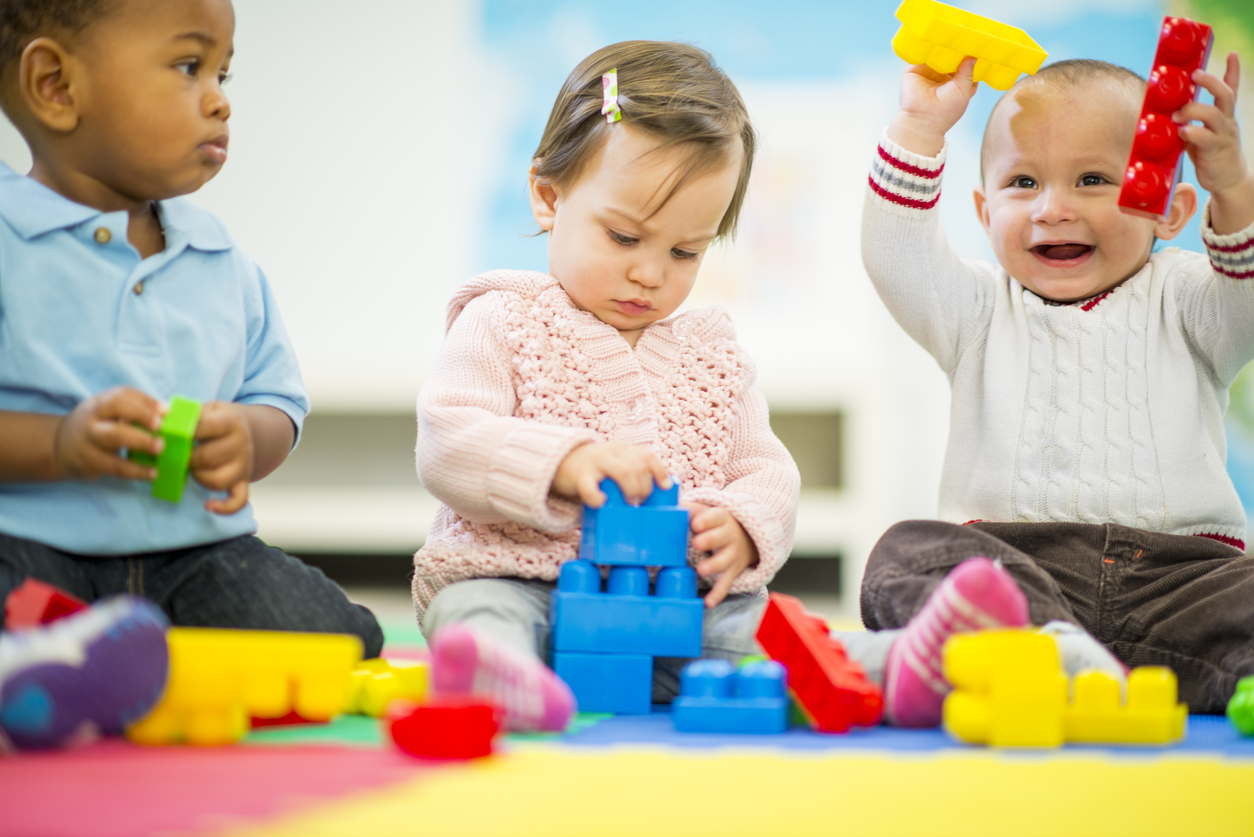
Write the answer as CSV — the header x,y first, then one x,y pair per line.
x,y
178,429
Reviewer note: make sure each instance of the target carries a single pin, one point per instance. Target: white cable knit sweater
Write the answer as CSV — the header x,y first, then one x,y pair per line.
x,y
1105,411
524,377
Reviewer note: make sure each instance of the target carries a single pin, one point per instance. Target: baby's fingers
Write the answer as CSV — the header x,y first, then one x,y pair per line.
x,y
589,488
110,436
1225,95
722,586
99,463
125,404
236,498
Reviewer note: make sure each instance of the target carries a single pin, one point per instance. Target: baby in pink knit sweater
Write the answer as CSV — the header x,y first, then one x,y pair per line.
x,y
549,383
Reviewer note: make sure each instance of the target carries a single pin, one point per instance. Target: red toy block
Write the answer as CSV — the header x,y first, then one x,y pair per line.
x,y
35,603
1154,167
831,688
445,727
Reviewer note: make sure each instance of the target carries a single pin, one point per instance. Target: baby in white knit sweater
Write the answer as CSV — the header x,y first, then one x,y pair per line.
x,y
1089,378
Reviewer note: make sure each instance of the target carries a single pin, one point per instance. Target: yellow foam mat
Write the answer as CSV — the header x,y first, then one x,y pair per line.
x,y
638,791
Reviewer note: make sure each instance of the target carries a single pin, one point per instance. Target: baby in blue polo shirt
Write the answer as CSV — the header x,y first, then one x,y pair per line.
x,y
115,295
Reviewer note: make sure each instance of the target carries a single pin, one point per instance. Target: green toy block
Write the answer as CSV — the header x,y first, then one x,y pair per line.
x,y
178,428
1241,707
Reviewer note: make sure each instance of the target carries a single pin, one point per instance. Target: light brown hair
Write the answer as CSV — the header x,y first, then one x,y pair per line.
x,y
1073,72
674,91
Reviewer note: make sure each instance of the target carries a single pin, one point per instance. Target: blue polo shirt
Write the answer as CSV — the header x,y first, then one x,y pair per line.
x,y
81,312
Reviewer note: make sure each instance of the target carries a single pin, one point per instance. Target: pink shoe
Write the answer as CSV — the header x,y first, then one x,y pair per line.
x,y
468,661
978,594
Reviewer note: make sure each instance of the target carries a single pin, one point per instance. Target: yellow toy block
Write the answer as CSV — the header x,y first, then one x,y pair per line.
x,y
1151,714
377,682
219,679
940,36
1010,691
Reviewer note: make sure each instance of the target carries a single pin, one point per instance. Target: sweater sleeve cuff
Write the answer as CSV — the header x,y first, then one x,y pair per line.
x,y
905,179
763,528
522,470
1231,255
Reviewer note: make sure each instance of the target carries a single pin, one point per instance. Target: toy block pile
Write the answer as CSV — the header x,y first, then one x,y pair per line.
x,y
1154,166
1010,691
604,638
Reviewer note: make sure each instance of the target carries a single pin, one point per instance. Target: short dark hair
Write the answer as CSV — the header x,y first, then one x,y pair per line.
x,y
672,90
1072,72
22,21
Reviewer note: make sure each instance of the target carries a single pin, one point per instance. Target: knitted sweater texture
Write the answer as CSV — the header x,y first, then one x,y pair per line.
x,y
524,377
1105,411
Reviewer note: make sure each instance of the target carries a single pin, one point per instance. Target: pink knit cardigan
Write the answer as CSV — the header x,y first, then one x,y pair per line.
x,y
524,377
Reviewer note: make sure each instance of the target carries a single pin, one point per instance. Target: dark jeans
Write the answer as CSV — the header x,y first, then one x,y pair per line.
x,y
236,583
1181,601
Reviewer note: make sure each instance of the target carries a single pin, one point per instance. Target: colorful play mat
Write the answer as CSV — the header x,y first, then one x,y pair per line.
x,y
631,776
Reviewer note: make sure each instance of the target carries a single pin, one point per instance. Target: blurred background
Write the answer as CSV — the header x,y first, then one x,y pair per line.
x,y
378,160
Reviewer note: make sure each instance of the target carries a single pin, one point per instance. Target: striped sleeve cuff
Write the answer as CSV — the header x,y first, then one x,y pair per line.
x,y
1230,255
904,178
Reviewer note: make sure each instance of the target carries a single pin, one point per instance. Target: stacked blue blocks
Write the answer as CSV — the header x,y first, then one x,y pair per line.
x,y
604,641
716,697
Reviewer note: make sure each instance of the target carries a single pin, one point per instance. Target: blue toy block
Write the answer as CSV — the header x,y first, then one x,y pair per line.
x,y
653,534
626,619
716,697
617,683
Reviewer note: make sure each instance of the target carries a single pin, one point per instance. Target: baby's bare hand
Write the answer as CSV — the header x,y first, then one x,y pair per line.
x,y
223,459
634,468
89,438
1215,145
715,530
931,104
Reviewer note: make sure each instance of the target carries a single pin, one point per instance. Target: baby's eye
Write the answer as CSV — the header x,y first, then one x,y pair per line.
x,y
619,238
224,77
189,67
689,255
1092,180
1023,182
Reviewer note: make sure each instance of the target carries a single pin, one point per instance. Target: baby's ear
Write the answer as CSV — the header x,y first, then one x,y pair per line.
x,y
1183,207
543,199
47,84
981,207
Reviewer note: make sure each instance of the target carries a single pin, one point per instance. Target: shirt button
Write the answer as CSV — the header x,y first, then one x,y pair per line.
x,y
103,236
139,287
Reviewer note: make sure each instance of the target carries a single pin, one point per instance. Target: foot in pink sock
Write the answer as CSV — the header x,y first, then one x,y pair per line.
x,y
976,595
467,661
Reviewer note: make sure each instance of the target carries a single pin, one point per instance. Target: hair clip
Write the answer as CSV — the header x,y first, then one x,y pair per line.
x,y
609,95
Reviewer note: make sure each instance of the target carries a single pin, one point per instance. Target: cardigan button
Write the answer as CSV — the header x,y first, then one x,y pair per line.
x,y
681,328
636,409
103,236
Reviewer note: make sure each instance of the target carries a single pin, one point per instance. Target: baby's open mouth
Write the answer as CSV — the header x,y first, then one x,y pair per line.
x,y
1061,252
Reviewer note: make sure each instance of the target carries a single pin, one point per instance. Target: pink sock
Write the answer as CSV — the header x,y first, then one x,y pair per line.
x,y
468,661
976,595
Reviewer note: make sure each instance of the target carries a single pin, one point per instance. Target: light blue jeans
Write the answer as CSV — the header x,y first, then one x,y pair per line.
x,y
516,611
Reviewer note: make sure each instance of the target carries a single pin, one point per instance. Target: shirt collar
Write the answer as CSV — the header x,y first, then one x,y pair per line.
x,y
33,209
